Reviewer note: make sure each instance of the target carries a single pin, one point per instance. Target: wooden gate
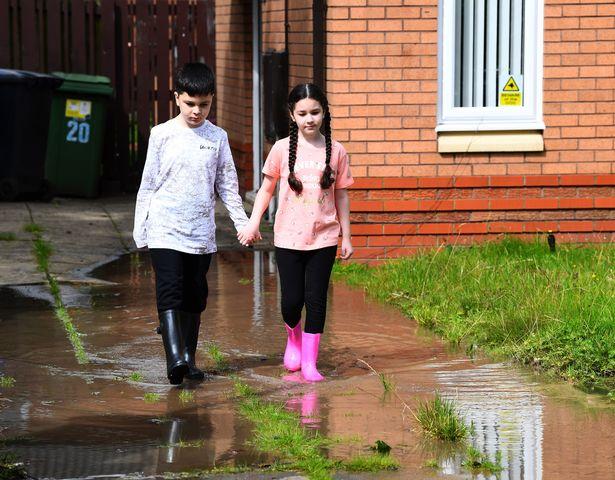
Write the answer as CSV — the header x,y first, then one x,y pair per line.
x,y
136,43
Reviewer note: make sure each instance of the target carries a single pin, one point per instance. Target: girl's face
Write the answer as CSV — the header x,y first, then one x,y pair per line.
x,y
193,110
308,114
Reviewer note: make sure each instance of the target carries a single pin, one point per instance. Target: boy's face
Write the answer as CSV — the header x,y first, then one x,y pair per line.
x,y
193,110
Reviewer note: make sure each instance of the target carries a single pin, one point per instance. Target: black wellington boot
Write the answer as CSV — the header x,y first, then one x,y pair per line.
x,y
173,341
191,322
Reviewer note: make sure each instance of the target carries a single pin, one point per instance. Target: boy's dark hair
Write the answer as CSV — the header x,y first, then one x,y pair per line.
x,y
301,91
195,78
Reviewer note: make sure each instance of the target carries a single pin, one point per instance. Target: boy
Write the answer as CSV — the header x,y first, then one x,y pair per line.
x,y
188,159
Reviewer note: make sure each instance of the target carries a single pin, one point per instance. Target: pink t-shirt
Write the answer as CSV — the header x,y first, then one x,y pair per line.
x,y
307,221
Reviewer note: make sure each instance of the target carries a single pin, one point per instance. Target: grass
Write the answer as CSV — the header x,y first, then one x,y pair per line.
x,y
478,462
10,468
7,237
186,396
135,377
185,444
6,381
553,311
42,252
388,384
439,419
216,355
279,432
151,397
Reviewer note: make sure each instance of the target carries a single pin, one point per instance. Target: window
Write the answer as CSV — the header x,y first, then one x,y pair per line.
x,y
490,65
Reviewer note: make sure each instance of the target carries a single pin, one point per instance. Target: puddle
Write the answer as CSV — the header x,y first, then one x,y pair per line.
x,y
70,421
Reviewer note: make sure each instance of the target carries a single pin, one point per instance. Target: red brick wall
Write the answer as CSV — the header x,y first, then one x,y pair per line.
x,y
234,82
382,86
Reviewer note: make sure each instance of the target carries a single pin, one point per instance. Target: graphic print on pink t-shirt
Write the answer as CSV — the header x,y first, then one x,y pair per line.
x,y
307,221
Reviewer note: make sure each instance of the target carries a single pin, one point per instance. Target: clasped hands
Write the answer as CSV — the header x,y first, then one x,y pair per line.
x,y
249,234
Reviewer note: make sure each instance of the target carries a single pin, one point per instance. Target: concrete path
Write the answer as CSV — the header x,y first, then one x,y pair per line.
x,y
84,233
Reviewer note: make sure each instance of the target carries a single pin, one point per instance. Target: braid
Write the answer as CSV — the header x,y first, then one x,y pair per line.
x,y
294,182
327,176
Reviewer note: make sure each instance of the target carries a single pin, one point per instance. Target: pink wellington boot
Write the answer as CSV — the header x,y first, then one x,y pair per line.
x,y
292,354
309,356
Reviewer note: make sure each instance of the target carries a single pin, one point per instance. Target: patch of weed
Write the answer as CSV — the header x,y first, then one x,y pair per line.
x,y
186,396
245,281
185,444
7,237
11,468
33,228
151,397
431,464
135,377
439,419
42,251
6,381
220,363
478,462
371,463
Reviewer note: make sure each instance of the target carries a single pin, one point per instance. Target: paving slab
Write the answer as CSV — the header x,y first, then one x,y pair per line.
x,y
84,233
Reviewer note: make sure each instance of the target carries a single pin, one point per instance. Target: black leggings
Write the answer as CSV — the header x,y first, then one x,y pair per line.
x,y
181,282
304,279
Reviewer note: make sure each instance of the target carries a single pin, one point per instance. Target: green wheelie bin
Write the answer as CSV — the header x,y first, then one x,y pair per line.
x,y
76,134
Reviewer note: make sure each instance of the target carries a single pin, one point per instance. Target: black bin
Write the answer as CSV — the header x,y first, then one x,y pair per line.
x,y
25,103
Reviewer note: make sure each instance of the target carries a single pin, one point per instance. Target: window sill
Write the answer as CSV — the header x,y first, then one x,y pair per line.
x,y
520,141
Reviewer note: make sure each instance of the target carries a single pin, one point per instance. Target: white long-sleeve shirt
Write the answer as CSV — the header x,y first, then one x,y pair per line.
x,y
183,169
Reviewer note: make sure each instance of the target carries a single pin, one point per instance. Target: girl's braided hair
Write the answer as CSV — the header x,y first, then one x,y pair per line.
x,y
309,90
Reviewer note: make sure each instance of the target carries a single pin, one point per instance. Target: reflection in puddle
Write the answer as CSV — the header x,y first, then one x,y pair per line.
x,y
90,420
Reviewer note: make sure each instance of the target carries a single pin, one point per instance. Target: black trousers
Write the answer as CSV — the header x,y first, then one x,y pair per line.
x,y
304,280
181,282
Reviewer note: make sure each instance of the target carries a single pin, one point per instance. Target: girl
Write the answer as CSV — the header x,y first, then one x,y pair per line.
x,y
313,205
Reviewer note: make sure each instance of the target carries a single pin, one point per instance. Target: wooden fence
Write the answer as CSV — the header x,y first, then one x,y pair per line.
x,y
136,43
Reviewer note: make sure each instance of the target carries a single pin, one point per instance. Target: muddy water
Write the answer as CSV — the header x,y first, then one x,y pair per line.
x,y
71,421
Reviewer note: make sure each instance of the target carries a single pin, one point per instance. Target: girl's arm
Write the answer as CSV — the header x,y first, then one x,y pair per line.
x,y
342,206
250,232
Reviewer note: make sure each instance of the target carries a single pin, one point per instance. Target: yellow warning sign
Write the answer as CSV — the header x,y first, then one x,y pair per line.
x,y
511,95
511,86
80,109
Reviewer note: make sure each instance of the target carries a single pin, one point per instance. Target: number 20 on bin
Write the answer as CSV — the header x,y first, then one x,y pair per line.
x,y
78,129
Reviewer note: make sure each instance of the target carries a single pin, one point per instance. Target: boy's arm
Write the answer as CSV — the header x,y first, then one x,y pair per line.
x,y
146,190
227,185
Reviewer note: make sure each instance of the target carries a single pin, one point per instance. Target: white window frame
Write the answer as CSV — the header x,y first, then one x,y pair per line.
x,y
459,119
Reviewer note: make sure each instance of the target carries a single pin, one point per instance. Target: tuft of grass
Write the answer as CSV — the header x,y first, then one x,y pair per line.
x,y
6,381
245,281
185,444
33,228
135,377
440,420
371,463
151,397
11,468
431,464
385,379
551,310
220,363
186,396
478,462
7,237
42,251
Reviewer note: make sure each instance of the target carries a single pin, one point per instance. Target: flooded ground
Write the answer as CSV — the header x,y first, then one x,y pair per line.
x,y
70,421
